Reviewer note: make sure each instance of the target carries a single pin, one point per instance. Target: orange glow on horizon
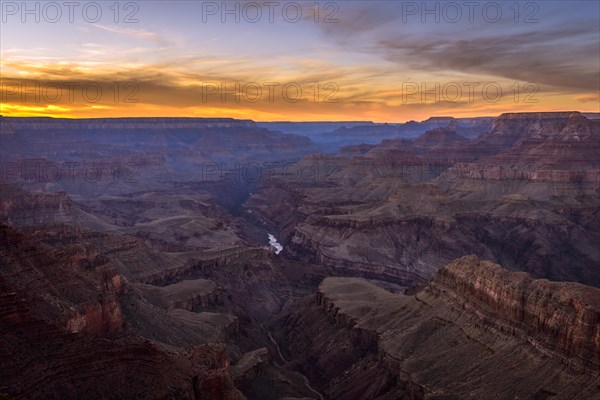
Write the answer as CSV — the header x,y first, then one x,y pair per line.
x,y
381,116
81,90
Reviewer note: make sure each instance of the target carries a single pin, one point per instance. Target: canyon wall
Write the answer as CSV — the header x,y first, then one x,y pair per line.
x,y
558,317
524,337
517,194
41,123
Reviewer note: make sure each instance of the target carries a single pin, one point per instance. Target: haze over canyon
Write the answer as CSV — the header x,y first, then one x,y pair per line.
x,y
452,258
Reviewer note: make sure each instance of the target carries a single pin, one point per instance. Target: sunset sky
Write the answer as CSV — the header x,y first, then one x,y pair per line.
x,y
370,60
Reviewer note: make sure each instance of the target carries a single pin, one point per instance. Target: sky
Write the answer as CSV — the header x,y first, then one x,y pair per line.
x,y
382,61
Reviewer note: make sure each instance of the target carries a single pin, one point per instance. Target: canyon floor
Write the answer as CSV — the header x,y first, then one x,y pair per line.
x,y
197,258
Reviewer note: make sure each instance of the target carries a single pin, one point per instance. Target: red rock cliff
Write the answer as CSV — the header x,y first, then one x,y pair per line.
x,y
559,317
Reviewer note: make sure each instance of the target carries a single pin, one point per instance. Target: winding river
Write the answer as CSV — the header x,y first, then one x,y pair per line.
x,y
275,244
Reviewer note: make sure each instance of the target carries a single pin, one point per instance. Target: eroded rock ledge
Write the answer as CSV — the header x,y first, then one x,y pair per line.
x,y
560,317
525,338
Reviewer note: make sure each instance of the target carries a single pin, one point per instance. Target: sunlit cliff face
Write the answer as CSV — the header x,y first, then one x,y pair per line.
x,y
380,61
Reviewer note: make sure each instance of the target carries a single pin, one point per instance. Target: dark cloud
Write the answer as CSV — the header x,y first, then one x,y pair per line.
x,y
546,58
562,51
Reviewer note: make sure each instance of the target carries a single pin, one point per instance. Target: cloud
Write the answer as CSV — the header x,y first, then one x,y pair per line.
x,y
161,91
560,51
589,98
134,33
546,58
372,54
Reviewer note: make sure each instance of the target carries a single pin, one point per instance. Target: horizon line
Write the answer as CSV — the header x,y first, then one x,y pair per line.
x,y
296,121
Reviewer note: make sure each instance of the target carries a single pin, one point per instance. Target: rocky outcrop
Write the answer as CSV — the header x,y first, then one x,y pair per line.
x,y
525,338
72,329
42,361
568,126
62,293
18,207
250,366
557,317
567,155
355,150
494,172
190,295
440,137
199,264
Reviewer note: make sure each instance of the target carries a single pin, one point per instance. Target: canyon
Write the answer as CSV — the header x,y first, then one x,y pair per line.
x,y
357,340
213,258
518,195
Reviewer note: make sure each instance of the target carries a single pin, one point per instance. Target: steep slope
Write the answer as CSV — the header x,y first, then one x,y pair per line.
x,y
138,297
401,211
66,334
476,331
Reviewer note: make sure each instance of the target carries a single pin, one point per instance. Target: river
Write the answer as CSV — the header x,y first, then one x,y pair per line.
x,y
273,242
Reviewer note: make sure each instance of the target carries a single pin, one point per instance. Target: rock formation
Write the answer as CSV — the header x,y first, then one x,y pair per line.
x,y
136,261
517,194
476,331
